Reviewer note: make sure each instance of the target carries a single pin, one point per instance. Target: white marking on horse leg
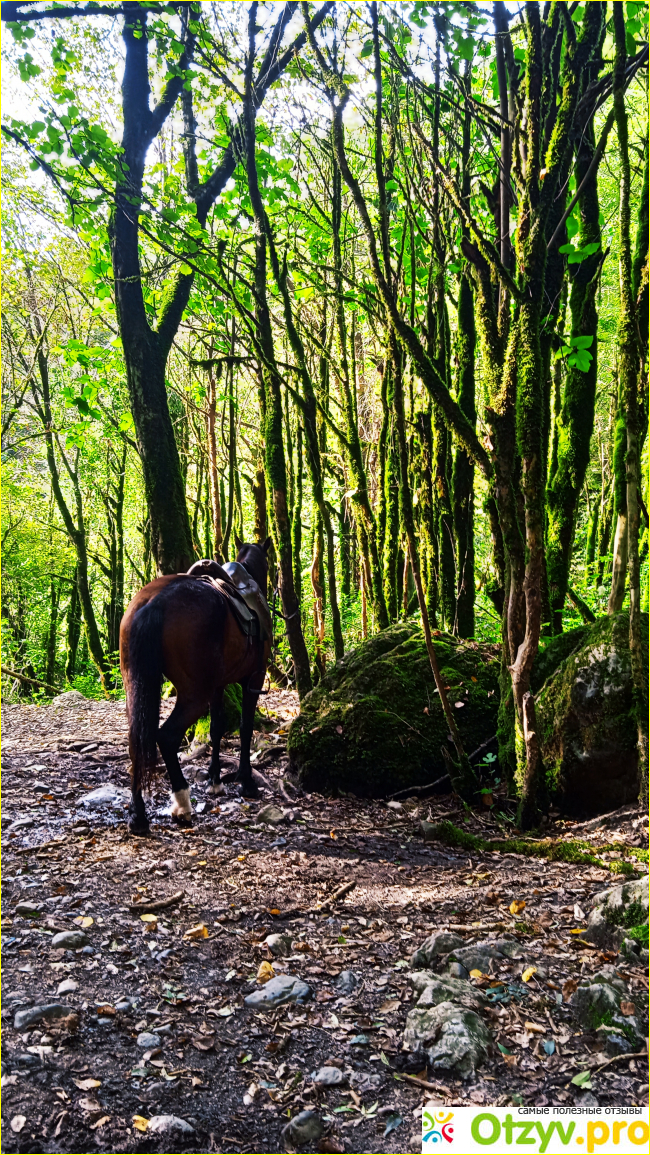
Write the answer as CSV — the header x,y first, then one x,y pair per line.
x,y
181,804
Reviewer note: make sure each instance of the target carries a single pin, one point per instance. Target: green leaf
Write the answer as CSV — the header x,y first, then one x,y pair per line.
x,y
583,1079
393,1122
582,342
367,49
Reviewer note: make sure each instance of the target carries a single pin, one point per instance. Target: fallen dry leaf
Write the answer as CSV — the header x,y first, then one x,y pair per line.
x,y
195,932
100,1122
476,974
140,1123
265,972
301,946
493,898
87,1084
203,1042
516,906
535,1027
150,918
389,1005
106,1009
627,1008
570,987
528,974
84,921
18,1122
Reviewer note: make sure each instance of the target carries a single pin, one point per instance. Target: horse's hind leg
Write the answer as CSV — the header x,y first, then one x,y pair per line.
x,y
217,731
170,736
248,706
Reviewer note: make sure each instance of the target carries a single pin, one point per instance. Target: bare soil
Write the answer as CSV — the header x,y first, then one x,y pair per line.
x,y
237,1075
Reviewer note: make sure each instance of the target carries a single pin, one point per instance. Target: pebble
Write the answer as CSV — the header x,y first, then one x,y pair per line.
x,y
281,989
169,1125
346,982
67,987
328,1077
149,1041
20,824
279,944
270,814
70,698
40,787
28,909
306,1127
70,939
37,770
33,1015
108,795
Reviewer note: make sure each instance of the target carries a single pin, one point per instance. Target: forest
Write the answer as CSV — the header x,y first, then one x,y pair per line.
x,y
370,279
364,287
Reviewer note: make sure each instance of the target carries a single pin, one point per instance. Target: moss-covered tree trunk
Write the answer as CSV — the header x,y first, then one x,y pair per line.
x,y
274,458
629,376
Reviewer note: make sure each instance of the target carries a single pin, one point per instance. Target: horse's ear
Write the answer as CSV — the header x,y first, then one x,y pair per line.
x,y
266,545
238,542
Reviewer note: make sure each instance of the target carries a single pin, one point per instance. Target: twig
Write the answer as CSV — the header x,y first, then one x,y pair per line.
x,y
637,1055
34,849
160,904
428,1086
342,890
198,752
420,789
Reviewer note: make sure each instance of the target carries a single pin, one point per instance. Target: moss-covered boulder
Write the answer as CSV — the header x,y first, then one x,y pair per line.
x,y
374,724
586,721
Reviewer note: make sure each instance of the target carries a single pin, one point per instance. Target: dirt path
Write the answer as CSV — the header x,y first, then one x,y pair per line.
x,y
237,1074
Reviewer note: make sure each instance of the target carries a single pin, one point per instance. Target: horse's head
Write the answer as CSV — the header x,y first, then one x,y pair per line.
x,y
254,558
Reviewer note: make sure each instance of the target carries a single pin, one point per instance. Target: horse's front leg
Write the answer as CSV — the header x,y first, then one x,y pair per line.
x,y
170,737
217,730
249,704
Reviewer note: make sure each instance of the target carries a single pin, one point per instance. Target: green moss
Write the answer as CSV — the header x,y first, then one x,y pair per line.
x,y
640,933
574,850
632,914
553,654
374,724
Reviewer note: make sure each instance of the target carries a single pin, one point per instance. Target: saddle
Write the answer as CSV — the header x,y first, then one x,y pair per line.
x,y
245,598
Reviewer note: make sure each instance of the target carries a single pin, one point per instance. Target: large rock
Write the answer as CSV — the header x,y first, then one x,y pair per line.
x,y
597,1002
449,1037
586,722
436,989
374,724
617,912
278,991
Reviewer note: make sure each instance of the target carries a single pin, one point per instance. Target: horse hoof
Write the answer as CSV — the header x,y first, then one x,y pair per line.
x,y
216,788
136,826
182,805
250,791
182,821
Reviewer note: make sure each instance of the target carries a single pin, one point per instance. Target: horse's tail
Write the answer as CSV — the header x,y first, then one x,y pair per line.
x,y
145,684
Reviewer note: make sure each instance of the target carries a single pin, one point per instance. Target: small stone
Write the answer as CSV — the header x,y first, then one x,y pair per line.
x,y
32,1015
169,1125
271,814
328,1077
67,987
442,942
70,698
305,1128
124,1006
38,787
28,909
108,795
395,806
148,1041
20,824
347,982
70,940
458,971
279,944
282,989
435,989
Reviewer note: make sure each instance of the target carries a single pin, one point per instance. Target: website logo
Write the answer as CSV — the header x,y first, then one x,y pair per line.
x,y
437,1128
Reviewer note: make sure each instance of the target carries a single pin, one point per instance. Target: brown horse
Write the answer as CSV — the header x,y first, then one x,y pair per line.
x,y
181,628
